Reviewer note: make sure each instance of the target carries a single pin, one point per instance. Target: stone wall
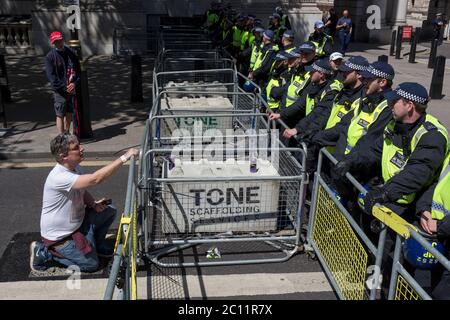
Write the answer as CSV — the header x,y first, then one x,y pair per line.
x,y
98,21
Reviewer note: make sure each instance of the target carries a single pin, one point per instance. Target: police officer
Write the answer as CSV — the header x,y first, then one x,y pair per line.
x,y
277,28
433,208
284,21
300,77
287,41
247,32
225,38
322,41
411,151
213,16
250,54
278,78
319,90
238,31
368,115
261,69
326,115
276,90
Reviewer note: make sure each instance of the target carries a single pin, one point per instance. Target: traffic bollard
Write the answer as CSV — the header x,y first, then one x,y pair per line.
x,y
437,81
4,83
398,49
393,40
414,40
383,58
433,53
136,79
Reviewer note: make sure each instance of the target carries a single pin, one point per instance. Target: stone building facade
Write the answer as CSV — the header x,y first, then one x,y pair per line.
x,y
26,24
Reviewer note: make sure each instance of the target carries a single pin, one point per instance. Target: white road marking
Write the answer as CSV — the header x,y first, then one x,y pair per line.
x,y
165,288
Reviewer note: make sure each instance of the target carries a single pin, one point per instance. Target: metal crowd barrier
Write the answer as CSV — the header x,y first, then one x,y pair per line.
x,y
225,209
207,81
182,38
170,129
130,41
166,201
194,60
403,286
123,269
344,250
348,255
195,79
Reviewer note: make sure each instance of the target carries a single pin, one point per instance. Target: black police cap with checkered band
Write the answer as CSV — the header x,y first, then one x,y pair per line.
x,y
321,65
356,63
379,70
410,91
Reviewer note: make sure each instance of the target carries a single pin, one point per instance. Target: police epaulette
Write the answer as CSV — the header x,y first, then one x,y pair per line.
x,y
429,126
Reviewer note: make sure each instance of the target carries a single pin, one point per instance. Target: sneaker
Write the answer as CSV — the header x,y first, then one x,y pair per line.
x,y
37,257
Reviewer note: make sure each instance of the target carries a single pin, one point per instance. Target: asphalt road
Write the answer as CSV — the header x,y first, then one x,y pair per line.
x,y
21,200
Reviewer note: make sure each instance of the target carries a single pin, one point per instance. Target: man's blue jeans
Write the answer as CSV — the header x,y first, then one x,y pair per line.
x,y
95,226
344,39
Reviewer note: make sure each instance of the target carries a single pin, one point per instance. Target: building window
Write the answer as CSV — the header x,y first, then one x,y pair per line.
x,y
436,3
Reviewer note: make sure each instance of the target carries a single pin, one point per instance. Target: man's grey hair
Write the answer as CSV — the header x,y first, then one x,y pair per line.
x,y
60,145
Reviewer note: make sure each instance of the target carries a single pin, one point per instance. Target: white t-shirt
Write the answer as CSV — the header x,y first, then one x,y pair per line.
x,y
62,207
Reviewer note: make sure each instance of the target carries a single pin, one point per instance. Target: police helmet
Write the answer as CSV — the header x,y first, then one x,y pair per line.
x,y
248,86
420,257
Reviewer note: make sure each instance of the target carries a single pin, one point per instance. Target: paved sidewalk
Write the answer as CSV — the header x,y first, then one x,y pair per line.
x,y
412,72
118,124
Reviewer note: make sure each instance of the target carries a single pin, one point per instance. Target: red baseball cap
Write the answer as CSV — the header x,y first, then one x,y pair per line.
x,y
55,35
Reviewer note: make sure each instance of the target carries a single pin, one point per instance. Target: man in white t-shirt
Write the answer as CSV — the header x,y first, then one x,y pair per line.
x,y
73,224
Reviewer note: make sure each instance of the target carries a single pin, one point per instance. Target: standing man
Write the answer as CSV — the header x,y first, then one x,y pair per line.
x,y
330,25
344,28
63,72
73,223
439,27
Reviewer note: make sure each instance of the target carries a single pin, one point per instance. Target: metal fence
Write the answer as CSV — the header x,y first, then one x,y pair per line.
x,y
220,201
341,245
124,267
192,59
177,38
351,261
131,41
403,285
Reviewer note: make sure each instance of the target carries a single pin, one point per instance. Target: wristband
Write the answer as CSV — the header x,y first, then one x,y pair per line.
x,y
123,158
